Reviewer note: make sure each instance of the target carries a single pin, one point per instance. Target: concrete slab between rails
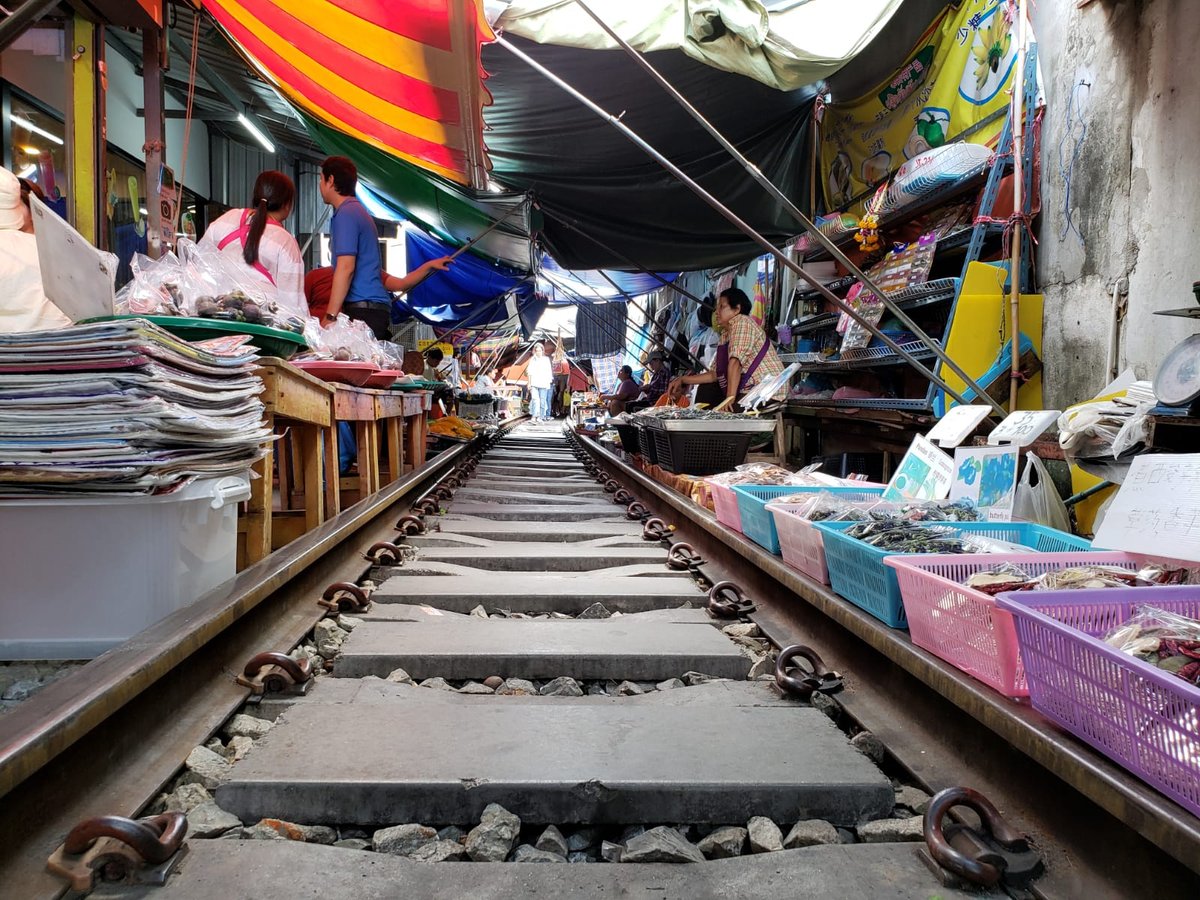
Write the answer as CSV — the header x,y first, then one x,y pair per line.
x,y
569,593
517,493
548,512
495,470
568,486
592,650
369,690
403,612
445,539
457,523
232,870
526,556
562,763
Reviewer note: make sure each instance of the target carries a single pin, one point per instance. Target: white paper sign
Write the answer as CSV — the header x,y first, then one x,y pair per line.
x,y
987,476
1023,427
1157,509
925,473
76,277
954,427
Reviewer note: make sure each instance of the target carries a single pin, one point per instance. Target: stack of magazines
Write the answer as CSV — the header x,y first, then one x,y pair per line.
x,y
124,407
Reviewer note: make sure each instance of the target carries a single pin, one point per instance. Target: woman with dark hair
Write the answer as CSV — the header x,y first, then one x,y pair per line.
x,y
745,357
256,237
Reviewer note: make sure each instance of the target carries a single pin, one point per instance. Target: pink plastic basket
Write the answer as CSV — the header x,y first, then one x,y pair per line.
x,y
963,626
801,545
725,505
1141,717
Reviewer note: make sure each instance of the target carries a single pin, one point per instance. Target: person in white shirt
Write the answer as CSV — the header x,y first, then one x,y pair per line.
x,y
256,238
23,303
540,375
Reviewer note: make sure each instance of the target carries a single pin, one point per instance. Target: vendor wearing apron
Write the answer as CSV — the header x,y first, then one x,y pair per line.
x,y
256,238
745,358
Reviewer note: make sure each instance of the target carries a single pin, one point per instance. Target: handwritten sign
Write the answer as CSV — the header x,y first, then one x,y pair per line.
x,y
1157,509
925,473
955,426
987,476
1023,427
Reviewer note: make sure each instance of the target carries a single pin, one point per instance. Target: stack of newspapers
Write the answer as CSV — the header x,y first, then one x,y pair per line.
x,y
124,407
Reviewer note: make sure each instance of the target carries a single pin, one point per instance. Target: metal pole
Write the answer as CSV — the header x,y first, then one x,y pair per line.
x,y
741,225
475,240
21,18
154,148
1018,148
795,211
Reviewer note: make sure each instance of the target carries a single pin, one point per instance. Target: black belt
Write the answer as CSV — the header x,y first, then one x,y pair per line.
x,y
381,304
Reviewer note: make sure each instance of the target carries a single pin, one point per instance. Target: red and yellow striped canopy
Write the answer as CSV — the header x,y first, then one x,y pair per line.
x,y
401,75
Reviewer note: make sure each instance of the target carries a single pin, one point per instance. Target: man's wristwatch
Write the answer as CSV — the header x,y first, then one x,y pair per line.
x,y
330,317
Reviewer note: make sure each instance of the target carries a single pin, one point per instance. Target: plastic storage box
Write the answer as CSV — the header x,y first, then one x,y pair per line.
x,y
83,574
801,545
725,506
757,522
857,571
964,626
1141,717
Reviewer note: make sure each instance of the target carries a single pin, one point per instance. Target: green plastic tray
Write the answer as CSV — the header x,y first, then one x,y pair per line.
x,y
270,341
417,385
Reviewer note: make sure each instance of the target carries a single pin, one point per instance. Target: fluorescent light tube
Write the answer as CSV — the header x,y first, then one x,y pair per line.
x,y
36,129
258,135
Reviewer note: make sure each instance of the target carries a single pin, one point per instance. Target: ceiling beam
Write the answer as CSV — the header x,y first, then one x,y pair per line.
x,y
21,18
239,104
200,115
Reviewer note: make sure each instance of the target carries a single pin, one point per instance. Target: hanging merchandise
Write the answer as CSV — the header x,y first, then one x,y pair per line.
x,y
958,77
600,328
604,371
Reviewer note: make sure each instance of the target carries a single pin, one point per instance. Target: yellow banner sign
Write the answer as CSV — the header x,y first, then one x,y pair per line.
x,y
959,73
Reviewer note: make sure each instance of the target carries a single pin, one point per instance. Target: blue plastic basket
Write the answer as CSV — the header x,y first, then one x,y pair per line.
x,y
857,572
757,522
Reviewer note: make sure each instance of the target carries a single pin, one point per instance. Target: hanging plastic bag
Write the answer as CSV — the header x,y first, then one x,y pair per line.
x,y
1037,499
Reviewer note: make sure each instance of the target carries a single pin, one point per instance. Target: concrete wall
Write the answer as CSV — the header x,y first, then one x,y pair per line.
x,y
1124,70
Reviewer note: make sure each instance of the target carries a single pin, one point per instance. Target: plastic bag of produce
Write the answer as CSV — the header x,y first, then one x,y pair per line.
x,y
1037,499
217,287
154,290
1164,639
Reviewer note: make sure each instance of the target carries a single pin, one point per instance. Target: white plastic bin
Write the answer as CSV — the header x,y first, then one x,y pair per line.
x,y
79,575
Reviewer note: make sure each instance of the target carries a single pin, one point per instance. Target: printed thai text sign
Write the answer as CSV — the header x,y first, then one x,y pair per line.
x,y
925,473
1157,509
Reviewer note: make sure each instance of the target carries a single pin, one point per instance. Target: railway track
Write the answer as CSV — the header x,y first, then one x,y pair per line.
x,y
517,673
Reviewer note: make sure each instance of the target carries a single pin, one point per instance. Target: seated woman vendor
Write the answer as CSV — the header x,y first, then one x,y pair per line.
x,y
627,390
745,358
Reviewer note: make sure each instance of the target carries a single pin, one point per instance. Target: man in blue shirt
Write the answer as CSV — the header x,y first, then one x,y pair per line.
x,y
360,289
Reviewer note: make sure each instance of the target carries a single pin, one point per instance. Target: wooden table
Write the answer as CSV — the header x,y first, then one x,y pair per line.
x,y
416,426
303,405
393,412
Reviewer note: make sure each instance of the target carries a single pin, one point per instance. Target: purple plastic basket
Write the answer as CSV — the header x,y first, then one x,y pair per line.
x,y
1141,717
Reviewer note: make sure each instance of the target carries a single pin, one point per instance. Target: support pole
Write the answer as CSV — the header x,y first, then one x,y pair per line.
x,y
155,146
1018,221
743,226
85,124
808,226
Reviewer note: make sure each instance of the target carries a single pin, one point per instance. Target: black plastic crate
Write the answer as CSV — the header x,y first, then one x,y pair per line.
x,y
649,446
630,441
699,452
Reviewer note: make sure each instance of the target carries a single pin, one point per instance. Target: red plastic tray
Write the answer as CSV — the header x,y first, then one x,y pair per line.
x,y
384,378
353,373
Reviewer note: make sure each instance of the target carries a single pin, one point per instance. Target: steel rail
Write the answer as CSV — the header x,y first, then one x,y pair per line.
x,y
892,678
107,738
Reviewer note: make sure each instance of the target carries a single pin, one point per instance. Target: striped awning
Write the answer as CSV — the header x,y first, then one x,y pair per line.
x,y
401,75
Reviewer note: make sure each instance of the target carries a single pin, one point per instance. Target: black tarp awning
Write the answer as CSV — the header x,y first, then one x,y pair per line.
x,y
580,168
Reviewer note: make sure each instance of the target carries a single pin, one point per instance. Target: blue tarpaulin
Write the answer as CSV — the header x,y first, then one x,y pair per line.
x,y
568,286
470,294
